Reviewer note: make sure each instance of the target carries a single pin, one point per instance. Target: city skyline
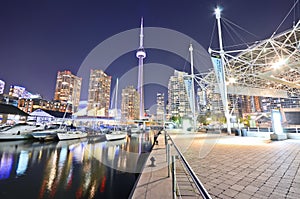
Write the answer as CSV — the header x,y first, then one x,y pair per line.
x,y
42,38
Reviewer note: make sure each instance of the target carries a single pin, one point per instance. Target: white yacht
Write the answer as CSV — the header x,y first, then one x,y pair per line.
x,y
49,132
71,134
19,131
115,135
134,128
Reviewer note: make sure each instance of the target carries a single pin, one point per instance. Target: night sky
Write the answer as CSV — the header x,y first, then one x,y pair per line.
x,y
39,38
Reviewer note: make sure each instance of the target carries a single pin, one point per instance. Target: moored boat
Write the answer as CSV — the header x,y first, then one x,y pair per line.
x,y
115,135
21,131
72,134
49,133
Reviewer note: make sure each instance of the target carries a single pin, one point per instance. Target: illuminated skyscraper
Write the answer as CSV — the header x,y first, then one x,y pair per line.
x,y
19,92
160,110
178,102
141,54
68,88
130,104
99,93
2,85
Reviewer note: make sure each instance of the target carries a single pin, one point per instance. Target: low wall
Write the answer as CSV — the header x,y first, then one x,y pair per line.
x,y
258,134
263,133
293,136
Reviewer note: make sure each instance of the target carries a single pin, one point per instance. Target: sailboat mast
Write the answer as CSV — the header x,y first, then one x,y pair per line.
x,y
116,98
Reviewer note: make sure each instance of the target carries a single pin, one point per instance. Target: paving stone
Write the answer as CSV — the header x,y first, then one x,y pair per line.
x,y
215,191
237,187
251,188
276,196
257,183
243,183
217,181
230,192
266,189
295,190
222,196
271,184
280,190
263,178
283,185
230,182
262,194
292,196
243,196
224,186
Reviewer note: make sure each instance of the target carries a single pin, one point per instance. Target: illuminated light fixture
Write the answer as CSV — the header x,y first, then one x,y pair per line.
x,y
280,63
232,80
268,83
218,12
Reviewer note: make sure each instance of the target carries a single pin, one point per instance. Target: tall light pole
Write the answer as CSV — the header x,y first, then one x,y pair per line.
x,y
223,82
193,87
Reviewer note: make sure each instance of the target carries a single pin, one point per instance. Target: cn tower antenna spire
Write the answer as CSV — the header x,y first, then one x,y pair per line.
x,y
141,54
141,34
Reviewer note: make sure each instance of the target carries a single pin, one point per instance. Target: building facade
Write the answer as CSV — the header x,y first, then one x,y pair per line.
x,y
2,86
130,108
99,94
160,109
67,89
29,105
178,102
19,92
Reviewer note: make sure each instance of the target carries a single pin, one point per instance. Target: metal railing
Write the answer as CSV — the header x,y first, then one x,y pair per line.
x,y
285,130
188,168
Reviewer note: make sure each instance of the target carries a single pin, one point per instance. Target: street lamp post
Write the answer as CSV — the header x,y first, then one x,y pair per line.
x,y
193,87
223,83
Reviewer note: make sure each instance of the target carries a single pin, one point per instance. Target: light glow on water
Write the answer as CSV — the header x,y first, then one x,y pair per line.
x,y
23,163
5,165
90,168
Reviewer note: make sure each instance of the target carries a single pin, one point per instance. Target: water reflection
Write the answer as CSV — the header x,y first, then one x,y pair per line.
x,y
88,168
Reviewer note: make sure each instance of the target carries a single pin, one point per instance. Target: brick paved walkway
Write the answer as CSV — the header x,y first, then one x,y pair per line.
x,y
243,167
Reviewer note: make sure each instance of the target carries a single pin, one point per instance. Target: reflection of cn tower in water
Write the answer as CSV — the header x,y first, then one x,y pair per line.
x,y
141,54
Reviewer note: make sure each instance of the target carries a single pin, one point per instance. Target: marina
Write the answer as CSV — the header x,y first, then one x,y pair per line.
x,y
223,122
91,167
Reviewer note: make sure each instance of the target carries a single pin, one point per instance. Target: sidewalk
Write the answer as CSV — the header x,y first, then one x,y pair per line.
x,y
228,167
154,181
243,167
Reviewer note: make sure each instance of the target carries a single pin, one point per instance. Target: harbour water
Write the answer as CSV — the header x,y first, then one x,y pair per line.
x,y
86,168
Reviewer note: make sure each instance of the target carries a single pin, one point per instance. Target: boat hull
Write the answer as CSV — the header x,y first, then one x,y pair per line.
x,y
71,135
15,137
115,136
47,134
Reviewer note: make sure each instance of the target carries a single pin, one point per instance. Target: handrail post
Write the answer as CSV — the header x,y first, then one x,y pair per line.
x,y
174,188
168,159
166,140
166,143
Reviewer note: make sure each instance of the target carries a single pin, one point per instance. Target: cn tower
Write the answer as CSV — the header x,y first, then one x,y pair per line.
x,y
141,54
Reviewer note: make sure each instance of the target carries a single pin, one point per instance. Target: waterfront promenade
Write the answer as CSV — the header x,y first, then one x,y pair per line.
x,y
227,166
